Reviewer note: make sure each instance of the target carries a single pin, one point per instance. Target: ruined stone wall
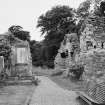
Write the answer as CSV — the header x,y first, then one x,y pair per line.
x,y
70,46
94,64
61,63
92,44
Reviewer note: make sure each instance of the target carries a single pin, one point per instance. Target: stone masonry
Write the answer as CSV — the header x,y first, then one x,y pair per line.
x,y
67,53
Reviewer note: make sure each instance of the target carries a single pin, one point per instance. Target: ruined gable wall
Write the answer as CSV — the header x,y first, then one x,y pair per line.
x,y
70,45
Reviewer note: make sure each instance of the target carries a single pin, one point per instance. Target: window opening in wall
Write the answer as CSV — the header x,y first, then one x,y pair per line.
x,y
72,53
89,44
102,45
64,54
94,46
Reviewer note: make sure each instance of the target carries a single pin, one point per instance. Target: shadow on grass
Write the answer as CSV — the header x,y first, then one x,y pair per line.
x,y
67,83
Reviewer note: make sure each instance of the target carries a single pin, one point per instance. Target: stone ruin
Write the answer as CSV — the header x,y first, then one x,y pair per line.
x,y
91,55
67,52
92,45
89,51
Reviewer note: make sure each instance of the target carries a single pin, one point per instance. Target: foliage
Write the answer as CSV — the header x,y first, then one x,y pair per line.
x,y
49,64
83,9
14,29
102,8
5,50
35,47
58,19
18,32
54,24
76,70
82,13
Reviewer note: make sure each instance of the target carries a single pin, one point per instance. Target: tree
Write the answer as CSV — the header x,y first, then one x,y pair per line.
x,y
54,24
83,9
18,32
14,28
36,52
58,19
88,8
82,13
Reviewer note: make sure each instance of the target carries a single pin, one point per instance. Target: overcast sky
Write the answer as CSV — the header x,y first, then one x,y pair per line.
x,y
26,12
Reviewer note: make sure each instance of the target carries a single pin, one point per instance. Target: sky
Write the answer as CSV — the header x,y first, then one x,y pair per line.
x,y
26,12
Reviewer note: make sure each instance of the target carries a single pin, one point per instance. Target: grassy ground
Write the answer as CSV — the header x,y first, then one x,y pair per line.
x,y
15,95
40,72
65,83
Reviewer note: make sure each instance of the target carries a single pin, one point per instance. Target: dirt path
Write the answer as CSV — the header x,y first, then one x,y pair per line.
x,y
49,93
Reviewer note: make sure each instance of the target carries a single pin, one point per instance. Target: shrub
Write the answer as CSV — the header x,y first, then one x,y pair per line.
x,y
49,64
76,70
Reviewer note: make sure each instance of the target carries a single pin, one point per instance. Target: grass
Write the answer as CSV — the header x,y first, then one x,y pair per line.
x,y
42,72
56,76
16,94
66,83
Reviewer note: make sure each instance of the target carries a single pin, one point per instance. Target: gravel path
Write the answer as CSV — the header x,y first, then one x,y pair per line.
x,y
49,93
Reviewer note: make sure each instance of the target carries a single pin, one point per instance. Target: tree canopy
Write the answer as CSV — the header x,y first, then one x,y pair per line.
x,y
57,22
83,9
18,32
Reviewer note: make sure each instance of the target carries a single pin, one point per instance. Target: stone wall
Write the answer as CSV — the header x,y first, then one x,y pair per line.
x,y
92,44
94,64
69,46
